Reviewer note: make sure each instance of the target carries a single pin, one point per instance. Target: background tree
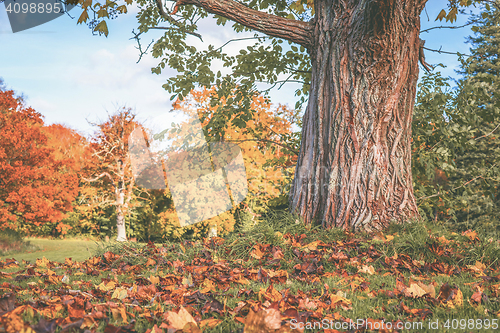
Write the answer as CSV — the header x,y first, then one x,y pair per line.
x,y
455,138
478,204
112,169
358,62
267,141
35,187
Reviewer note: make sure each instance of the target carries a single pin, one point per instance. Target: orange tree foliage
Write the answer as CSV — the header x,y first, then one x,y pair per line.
x,y
34,186
265,144
75,150
68,145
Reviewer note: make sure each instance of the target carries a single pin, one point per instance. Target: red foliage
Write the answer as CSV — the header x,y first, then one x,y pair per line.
x,y
34,187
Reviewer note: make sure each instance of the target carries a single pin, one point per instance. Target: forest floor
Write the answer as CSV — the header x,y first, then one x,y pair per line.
x,y
281,276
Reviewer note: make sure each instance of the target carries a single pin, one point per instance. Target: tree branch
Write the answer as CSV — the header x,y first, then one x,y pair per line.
x,y
293,30
488,133
104,174
171,20
453,189
446,52
449,27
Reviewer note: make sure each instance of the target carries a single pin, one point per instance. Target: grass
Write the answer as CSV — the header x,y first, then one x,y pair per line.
x,y
309,276
54,250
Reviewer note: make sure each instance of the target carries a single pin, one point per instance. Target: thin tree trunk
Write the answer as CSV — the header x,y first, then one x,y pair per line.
x,y
121,206
354,165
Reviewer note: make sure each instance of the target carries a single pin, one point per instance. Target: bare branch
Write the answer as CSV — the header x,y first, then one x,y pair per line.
x,y
446,52
449,27
104,174
139,45
293,30
421,57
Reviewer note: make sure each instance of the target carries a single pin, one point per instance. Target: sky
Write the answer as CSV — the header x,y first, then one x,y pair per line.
x,y
72,77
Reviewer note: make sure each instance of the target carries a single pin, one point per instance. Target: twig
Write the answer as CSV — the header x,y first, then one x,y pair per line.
x,y
449,27
446,52
488,133
174,22
453,189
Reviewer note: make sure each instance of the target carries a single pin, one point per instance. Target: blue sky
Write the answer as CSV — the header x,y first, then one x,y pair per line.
x,y
71,76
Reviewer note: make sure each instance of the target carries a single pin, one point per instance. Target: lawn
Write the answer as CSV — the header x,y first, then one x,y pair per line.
x,y
56,250
280,276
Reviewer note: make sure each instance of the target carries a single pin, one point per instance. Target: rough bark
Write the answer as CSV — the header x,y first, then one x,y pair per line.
x,y
354,166
293,30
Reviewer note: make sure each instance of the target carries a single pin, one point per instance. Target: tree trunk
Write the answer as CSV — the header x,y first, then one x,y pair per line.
x,y
120,226
121,208
354,165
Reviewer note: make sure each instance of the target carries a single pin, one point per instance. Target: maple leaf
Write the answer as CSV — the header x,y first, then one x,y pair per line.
x,y
262,321
307,304
277,253
154,279
209,323
477,297
478,268
367,269
414,291
107,286
257,253
209,285
150,262
180,319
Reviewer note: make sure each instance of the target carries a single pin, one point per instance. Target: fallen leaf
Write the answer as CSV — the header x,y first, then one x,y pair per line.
x,y
154,279
366,269
180,319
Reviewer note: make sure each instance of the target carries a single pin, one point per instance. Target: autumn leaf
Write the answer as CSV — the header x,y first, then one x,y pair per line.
x,y
478,268
180,319
150,262
42,262
107,286
262,321
208,286
450,296
209,323
257,253
154,279
472,235
367,269
119,293
188,281
414,290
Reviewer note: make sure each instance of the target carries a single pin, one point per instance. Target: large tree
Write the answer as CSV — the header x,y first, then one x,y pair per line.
x,y
358,62
112,170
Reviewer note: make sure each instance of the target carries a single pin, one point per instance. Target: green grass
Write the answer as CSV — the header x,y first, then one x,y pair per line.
x,y
55,250
410,246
